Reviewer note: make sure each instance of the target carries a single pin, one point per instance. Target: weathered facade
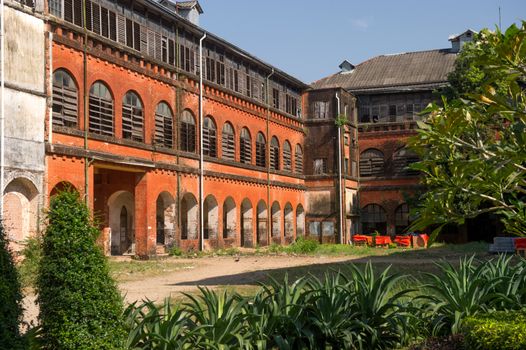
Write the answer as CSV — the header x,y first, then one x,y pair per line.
x,y
24,106
391,91
104,97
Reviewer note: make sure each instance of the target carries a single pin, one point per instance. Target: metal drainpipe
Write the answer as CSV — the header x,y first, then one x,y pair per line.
x,y
267,159
201,203
2,108
339,172
85,103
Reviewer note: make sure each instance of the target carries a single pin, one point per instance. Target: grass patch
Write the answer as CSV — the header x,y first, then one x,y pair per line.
x,y
130,270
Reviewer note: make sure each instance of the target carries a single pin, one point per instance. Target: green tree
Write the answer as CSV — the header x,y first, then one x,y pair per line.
x,y
473,149
80,306
10,298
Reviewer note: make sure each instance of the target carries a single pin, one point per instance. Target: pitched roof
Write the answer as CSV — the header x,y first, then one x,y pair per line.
x,y
412,70
188,5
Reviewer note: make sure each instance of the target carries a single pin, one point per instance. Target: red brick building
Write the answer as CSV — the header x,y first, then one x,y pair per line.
x,y
264,158
391,90
124,131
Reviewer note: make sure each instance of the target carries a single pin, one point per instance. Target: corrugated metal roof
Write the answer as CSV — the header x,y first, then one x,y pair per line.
x,y
390,71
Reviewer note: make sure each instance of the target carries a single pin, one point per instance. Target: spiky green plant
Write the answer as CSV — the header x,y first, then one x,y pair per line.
x,y
152,327
217,320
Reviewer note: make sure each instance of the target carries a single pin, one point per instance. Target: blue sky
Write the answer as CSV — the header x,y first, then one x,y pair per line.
x,y
309,39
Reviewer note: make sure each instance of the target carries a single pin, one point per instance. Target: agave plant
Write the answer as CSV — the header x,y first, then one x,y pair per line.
x,y
328,310
277,316
458,293
152,327
509,279
379,316
218,321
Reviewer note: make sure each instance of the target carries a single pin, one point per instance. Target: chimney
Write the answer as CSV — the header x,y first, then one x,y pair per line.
x,y
458,40
346,66
189,10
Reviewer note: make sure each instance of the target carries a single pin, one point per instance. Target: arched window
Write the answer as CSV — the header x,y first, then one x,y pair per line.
x,y
261,144
287,157
209,137
245,147
100,110
401,161
401,218
298,160
65,99
187,132
227,142
274,153
132,117
163,125
373,219
371,163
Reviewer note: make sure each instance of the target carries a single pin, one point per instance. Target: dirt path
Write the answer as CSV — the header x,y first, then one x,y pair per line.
x,y
207,271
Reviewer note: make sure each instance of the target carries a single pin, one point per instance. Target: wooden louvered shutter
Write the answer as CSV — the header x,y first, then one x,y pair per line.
x,y
158,47
245,151
151,43
96,18
144,39
65,106
121,29
77,12
89,15
287,156
298,162
113,26
68,10
104,23
228,146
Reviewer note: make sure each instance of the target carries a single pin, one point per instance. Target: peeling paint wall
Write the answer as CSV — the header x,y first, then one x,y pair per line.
x,y
25,110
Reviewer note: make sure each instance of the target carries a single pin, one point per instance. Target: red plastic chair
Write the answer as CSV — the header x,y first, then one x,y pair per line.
x,y
520,243
383,240
403,241
361,239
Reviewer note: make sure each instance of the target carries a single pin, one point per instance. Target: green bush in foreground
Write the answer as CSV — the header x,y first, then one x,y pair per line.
x,y
10,298
496,331
80,307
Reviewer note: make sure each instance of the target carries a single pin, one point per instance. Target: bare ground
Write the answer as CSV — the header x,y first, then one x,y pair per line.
x,y
243,273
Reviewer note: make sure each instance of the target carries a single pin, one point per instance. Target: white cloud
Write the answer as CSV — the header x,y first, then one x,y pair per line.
x,y
361,23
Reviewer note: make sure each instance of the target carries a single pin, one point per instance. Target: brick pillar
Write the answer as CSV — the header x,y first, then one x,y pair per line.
x,y
145,210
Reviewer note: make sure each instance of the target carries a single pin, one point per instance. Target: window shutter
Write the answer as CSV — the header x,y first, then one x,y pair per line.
x,y
121,29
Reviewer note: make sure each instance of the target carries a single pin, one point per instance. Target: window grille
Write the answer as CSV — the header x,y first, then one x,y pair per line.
x,y
287,157
163,125
100,110
320,166
209,138
298,160
227,142
371,163
187,132
132,117
274,153
261,144
245,147
65,99
401,161
321,110
373,219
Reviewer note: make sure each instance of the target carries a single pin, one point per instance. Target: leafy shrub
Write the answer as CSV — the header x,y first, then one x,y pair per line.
x,y
175,251
303,246
32,254
80,307
10,298
474,287
356,311
496,331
